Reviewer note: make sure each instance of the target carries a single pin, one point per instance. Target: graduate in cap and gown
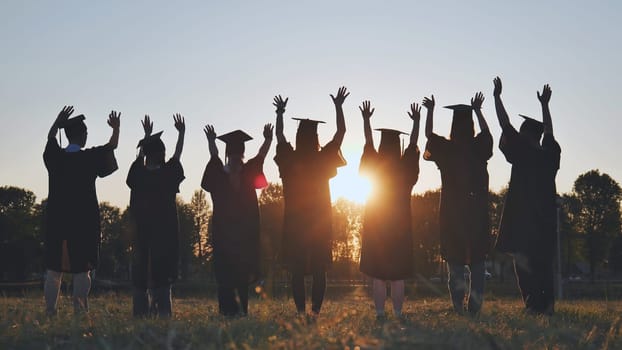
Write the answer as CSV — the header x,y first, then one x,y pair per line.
x,y
386,238
235,221
154,185
73,233
305,172
464,219
529,221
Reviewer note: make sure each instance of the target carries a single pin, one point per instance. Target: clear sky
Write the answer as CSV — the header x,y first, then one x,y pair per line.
x,y
221,62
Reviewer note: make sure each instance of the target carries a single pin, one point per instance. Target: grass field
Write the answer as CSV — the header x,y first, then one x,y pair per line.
x,y
343,324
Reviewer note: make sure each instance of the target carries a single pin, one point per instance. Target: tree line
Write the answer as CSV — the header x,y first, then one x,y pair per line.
x,y
589,222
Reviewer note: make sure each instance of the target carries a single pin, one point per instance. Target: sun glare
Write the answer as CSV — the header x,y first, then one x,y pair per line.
x,y
350,185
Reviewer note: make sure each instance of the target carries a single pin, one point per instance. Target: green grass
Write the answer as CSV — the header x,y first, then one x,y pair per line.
x,y
344,324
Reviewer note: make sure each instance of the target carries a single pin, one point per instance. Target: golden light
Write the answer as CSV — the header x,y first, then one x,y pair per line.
x,y
350,185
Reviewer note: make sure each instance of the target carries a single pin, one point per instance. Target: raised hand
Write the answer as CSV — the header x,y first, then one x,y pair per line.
x,y
210,133
428,103
476,102
545,97
267,131
498,87
180,122
147,125
415,112
342,93
366,110
114,120
64,114
280,104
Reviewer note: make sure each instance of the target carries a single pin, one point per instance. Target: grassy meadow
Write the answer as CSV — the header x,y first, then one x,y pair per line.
x,y
343,324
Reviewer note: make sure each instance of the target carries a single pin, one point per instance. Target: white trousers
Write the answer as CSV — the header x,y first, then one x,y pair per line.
x,y
81,287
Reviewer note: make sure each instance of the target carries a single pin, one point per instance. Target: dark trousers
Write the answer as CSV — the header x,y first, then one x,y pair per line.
x,y
227,303
318,290
152,302
534,273
469,286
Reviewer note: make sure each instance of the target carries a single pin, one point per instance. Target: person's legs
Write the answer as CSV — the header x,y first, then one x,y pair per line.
x,y
162,303
318,290
226,301
457,286
397,296
298,291
543,279
380,295
140,302
524,279
51,289
243,295
476,290
81,288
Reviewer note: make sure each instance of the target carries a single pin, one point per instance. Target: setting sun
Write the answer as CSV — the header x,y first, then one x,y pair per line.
x,y
350,185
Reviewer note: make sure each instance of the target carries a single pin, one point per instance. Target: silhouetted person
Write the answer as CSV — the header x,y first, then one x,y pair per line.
x,y
464,218
154,185
73,232
387,242
305,173
236,216
528,224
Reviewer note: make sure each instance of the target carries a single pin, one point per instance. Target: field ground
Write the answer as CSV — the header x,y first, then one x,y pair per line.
x,y
344,324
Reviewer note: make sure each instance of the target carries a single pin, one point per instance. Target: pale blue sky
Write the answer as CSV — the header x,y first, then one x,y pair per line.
x,y
222,62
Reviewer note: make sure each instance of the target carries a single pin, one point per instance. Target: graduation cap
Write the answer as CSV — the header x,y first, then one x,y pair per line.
x,y
306,135
71,123
462,123
235,141
308,124
531,124
390,138
152,143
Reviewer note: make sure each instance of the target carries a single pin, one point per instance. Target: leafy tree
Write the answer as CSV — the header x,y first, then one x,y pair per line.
x,y
17,209
596,214
426,235
200,209
114,250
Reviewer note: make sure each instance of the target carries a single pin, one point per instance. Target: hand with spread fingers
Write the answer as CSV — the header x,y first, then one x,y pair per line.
x,y
147,125
209,132
280,104
64,114
342,93
498,87
180,122
114,120
366,110
267,131
477,101
428,103
415,112
545,97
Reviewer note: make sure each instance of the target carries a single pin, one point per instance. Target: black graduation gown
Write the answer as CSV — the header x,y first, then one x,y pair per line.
x,y
235,221
73,209
307,231
387,241
528,222
155,247
464,218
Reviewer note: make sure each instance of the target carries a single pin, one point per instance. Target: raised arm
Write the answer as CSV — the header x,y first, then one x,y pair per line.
x,y
342,93
64,114
147,128
114,120
211,140
280,105
415,115
366,112
428,103
476,104
502,115
180,125
544,99
267,140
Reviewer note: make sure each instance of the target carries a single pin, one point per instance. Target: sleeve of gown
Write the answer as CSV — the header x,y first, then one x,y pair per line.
x,y
368,160
435,148
410,162
511,145
176,173
255,167
483,145
332,158
104,161
283,158
212,175
51,152
134,174
550,145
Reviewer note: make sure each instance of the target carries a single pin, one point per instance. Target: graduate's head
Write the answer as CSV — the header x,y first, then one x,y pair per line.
x,y
235,148
154,149
462,127
75,130
306,135
531,129
390,146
